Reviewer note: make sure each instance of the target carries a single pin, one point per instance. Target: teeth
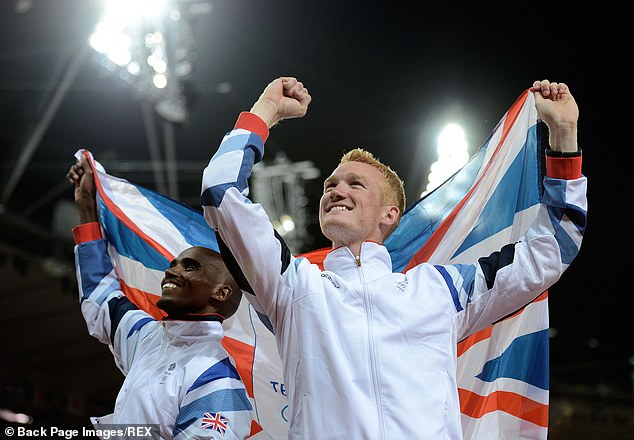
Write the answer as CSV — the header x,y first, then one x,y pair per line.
x,y
339,208
169,286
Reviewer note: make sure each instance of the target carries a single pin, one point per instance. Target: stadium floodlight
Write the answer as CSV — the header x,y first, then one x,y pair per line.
x,y
131,39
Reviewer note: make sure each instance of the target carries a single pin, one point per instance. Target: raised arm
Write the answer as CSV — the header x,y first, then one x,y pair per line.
x,y
109,315
506,280
255,254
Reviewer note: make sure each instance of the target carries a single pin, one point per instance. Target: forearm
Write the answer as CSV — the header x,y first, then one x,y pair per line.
x,y
88,212
508,279
266,111
108,313
96,279
231,165
244,227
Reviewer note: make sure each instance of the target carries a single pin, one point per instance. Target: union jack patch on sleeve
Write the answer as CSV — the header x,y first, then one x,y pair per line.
x,y
214,421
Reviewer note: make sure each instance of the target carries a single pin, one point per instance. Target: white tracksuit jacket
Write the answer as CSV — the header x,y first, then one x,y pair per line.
x,y
178,375
367,353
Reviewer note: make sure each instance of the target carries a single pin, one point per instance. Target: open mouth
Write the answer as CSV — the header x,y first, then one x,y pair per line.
x,y
338,208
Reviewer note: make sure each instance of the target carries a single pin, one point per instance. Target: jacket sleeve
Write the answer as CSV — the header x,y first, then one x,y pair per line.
x,y
109,315
255,254
510,278
215,406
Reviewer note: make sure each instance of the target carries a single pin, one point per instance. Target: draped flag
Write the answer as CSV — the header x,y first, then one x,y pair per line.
x,y
491,201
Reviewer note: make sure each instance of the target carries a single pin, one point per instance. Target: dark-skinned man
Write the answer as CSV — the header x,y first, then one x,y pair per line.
x,y
179,378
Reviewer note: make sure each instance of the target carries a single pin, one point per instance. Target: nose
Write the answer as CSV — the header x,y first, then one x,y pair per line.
x,y
171,271
336,193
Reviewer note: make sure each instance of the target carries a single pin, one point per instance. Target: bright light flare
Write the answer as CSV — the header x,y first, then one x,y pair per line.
x,y
120,18
452,155
288,224
159,80
129,12
284,225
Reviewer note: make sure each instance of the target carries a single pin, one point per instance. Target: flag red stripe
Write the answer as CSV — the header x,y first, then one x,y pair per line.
x,y
470,341
476,406
473,339
143,300
124,218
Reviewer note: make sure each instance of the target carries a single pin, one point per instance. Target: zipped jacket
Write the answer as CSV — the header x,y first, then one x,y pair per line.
x,y
178,377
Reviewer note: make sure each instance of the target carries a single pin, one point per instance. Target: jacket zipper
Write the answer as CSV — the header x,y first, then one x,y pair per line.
x,y
372,350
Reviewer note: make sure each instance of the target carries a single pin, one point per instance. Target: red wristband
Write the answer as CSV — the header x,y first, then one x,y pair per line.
x,y
87,232
249,121
567,168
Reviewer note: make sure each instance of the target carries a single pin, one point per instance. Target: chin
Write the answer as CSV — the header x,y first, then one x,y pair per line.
x,y
338,234
164,304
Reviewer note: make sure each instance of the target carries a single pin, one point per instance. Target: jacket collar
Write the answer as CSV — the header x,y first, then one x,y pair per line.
x,y
194,328
197,317
374,261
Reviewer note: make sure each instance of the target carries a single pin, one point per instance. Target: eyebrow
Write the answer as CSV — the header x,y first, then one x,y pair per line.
x,y
347,176
185,260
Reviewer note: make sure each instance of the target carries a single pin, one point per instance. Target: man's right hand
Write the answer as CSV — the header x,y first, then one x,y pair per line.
x,y
283,98
80,174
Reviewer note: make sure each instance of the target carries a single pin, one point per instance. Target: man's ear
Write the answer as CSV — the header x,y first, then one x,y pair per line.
x,y
222,293
389,220
390,215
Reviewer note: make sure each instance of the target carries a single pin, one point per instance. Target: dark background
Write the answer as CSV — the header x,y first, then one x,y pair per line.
x,y
384,76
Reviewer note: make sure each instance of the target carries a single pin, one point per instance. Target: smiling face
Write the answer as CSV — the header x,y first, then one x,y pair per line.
x,y
197,281
352,209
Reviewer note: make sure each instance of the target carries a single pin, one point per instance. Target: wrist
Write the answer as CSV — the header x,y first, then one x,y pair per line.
x,y
265,110
563,137
88,215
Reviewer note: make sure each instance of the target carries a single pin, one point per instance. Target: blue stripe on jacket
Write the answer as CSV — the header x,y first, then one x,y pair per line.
x,y
220,370
451,286
558,210
118,307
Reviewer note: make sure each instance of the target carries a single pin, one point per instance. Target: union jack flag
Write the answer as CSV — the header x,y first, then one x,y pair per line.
x,y
214,421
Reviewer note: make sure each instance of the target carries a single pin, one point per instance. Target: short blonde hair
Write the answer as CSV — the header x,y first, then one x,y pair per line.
x,y
393,187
